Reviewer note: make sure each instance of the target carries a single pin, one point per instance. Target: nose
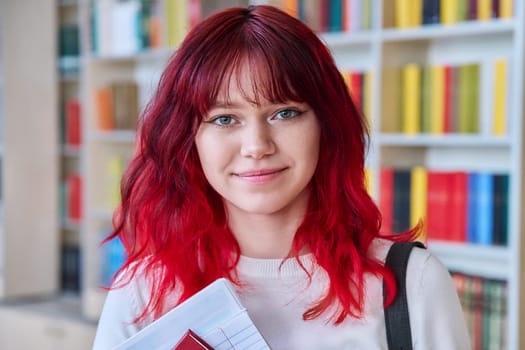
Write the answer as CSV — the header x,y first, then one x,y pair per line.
x,y
257,141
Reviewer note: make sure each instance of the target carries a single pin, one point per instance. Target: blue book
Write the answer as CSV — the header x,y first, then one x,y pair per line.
x,y
335,21
485,213
472,207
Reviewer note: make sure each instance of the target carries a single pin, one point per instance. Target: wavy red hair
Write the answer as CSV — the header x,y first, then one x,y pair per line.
x,y
170,214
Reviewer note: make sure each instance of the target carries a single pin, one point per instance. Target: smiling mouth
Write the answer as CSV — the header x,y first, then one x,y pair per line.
x,y
260,176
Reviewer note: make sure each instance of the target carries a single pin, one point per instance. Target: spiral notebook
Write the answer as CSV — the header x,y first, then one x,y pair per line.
x,y
215,314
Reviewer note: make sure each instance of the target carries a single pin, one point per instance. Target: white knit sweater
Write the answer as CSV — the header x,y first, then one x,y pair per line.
x,y
277,296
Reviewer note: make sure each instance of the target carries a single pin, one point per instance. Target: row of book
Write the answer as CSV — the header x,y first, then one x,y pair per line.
x,y
413,13
484,303
442,99
71,197
127,27
455,206
330,15
359,85
117,106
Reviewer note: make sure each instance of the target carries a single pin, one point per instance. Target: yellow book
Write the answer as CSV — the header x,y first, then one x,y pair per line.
x,y
367,97
505,8
177,21
403,17
411,101
368,182
437,100
484,10
449,11
418,195
115,169
416,12
499,117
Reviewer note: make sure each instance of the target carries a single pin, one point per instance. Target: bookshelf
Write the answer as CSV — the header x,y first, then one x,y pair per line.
x,y
379,49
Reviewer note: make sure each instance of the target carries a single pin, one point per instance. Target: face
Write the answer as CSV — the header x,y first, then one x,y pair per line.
x,y
259,157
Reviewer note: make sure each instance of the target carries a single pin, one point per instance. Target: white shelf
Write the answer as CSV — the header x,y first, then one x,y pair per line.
x,y
348,39
428,32
478,260
445,140
70,151
116,136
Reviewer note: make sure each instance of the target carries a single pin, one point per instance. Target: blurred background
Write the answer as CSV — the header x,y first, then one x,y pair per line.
x,y
440,82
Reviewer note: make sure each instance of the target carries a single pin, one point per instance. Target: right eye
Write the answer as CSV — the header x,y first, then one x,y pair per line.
x,y
222,120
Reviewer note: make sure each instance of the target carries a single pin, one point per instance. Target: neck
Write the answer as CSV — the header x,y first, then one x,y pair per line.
x,y
266,236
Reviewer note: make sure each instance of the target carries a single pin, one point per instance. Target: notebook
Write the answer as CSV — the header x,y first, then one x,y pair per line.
x,y
214,314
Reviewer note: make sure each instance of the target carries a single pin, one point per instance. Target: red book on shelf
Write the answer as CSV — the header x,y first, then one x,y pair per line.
x,y
73,123
386,201
191,341
458,206
437,205
74,197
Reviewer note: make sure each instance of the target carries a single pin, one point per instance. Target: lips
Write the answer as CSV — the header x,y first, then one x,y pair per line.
x,y
260,175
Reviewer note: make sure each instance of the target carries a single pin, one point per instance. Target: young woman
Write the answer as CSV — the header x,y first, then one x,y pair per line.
x,y
250,166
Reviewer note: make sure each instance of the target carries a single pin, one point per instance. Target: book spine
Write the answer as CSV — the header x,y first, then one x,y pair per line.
x,y
411,86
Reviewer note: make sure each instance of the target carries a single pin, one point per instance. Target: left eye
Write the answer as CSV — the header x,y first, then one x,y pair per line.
x,y
287,114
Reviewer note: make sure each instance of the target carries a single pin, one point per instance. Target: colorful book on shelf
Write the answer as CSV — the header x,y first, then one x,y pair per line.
x,y
177,21
215,314
437,109
468,109
438,205
426,99
74,197
366,14
401,209
500,91
386,198
457,208
113,256
484,10
449,11
431,13
73,123
506,8
310,13
418,196
335,11
104,108
484,210
125,104
500,209
411,98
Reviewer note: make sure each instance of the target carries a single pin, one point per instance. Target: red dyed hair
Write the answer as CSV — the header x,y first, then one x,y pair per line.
x,y
170,214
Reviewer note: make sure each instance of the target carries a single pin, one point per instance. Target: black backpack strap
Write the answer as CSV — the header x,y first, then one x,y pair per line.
x,y
397,321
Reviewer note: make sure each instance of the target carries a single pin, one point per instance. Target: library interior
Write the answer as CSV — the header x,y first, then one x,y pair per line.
x,y
441,83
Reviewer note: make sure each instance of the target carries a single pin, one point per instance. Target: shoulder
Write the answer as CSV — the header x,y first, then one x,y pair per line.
x,y
424,269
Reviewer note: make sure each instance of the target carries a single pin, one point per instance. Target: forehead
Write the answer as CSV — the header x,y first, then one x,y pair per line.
x,y
255,81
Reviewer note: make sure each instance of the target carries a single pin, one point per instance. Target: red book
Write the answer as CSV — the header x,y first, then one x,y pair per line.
x,y
437,205
73,123
356,89
458,206
386,200
191,341
74,197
